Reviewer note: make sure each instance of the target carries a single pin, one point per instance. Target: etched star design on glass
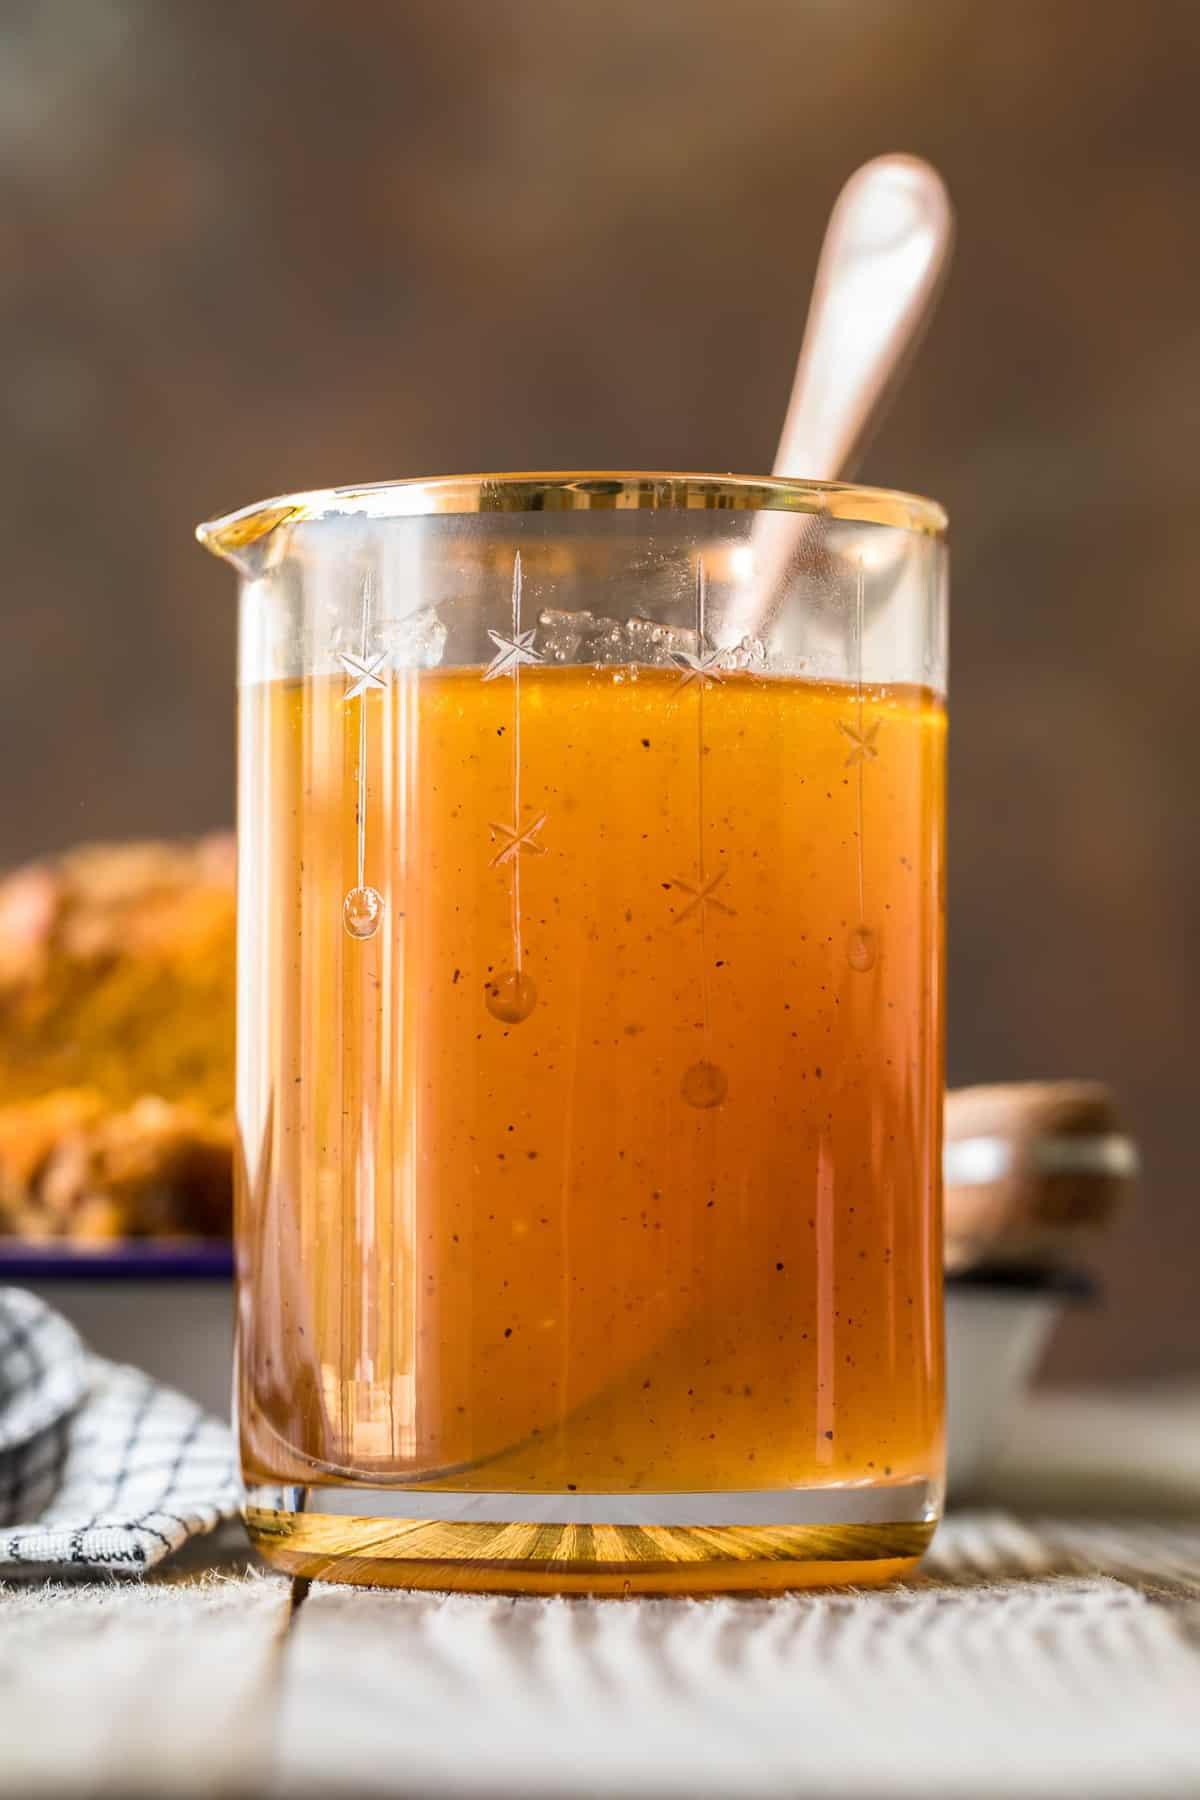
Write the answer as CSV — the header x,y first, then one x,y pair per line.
x,y
511,652
703,665
514,839
701,895
862,741
363,673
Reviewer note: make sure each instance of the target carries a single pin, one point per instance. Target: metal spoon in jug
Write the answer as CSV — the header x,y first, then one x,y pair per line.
x,y
885,255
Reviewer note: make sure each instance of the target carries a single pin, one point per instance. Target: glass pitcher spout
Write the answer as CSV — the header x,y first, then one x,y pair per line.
x,y
243,537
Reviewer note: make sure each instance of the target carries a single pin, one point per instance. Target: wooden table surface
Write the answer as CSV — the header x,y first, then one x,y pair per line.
x,y
1055,1655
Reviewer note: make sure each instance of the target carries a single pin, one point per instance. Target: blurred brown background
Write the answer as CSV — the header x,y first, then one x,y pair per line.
x,y
282,244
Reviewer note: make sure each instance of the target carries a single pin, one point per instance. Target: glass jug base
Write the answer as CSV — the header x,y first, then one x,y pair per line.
x,y
384,1538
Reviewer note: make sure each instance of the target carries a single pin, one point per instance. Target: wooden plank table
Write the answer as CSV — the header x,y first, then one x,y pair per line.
x,y
1036,1655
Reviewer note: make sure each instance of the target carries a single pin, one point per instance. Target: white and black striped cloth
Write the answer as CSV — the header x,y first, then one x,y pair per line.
x,y
101,1469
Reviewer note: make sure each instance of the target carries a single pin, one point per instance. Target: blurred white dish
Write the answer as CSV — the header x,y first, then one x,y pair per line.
x,y
165,1308
997,1326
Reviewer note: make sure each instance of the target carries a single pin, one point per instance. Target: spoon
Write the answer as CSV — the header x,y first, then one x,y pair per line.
x,y
886,251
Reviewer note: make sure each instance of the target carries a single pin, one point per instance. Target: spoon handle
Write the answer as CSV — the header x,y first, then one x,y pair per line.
x,y
886,250
885,253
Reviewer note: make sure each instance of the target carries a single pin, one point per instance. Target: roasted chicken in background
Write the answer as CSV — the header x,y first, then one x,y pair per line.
x,y
116,1042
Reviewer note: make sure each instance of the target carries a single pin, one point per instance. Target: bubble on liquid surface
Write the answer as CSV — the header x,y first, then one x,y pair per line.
x,y
559,634
861,949
362,910
704,1085
418,641
581,637
747,653
510,996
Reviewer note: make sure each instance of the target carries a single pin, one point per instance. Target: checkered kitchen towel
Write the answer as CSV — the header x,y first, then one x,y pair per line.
x,y
101,1469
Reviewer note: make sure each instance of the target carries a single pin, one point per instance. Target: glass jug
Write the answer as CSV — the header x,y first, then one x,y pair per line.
x,y
590,1031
